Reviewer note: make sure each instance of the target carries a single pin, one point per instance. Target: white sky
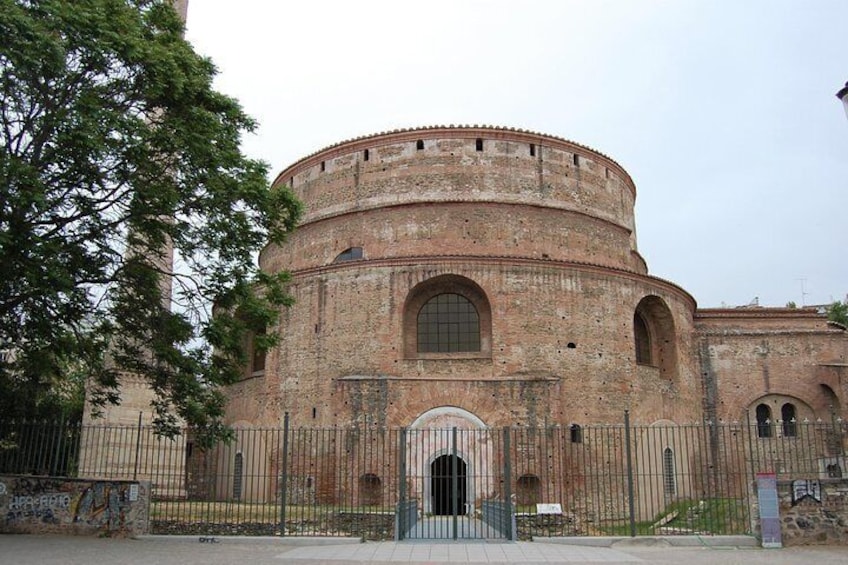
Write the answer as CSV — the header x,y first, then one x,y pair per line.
x,y
723,111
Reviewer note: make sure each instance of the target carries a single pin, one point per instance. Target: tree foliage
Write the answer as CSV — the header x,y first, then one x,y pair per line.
x,y
838,312
115,146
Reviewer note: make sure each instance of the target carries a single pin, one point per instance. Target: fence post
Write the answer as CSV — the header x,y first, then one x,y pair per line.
x,y
284,474
454,484
401,518
58,452
837,434
630,497
750,432
137,446
510,511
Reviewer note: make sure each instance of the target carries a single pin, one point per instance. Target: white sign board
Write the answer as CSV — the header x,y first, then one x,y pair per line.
x,y
549,508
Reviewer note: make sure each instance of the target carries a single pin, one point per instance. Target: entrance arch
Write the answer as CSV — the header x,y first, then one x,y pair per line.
x,y
446,417
430,445
448,492
453,478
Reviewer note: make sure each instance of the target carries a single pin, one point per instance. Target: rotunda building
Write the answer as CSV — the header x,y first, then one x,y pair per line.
x,y
471,277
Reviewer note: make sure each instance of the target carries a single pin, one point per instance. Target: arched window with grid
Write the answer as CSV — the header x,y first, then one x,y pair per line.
x,y
448,323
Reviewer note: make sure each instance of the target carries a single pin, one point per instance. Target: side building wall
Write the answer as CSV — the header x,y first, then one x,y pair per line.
x,y
772,356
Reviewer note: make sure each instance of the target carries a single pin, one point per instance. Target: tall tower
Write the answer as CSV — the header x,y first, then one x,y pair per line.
x,y
135,392
120,438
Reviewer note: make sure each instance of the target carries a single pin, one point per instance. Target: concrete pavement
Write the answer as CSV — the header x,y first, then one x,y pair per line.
x,y
49,550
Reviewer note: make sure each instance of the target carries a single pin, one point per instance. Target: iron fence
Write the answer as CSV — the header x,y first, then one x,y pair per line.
x,y
380,483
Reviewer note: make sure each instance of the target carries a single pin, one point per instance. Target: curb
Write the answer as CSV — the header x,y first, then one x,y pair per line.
x,y
656,541
280,540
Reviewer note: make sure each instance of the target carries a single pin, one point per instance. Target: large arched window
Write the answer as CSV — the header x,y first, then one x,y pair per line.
x,y
642,340
257,363
447,315
448,323
654,336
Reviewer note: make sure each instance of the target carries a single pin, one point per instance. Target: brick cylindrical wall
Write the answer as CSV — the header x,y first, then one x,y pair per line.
x,y
539,228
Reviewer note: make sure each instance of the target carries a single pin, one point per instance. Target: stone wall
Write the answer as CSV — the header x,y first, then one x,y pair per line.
x,y
38,505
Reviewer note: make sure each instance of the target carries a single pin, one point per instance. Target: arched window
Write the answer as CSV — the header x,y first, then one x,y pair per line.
x,y
238,476
576,433
787,414
763,420
447,316
669,481
257,363
349,254
643,340
448,323
654,336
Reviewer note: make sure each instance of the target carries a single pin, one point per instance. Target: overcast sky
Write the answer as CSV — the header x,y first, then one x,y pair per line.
x,y
722,111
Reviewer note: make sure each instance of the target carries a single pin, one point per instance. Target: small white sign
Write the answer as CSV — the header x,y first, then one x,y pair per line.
x,y
133,493
549,508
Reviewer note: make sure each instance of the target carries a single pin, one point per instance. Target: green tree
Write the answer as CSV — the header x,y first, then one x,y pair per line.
x,y
838,312
116,147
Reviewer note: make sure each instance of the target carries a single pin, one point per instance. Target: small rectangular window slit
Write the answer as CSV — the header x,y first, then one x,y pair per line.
x,y
323,166
365,155
532,149
479,144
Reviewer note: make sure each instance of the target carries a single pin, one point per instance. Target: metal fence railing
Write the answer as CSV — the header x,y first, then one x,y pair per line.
x,y
382,483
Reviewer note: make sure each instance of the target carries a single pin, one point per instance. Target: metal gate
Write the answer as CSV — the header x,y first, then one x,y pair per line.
x,y
455,484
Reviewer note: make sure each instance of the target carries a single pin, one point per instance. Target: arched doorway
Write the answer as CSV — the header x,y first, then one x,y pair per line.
x,y
448,486
453,478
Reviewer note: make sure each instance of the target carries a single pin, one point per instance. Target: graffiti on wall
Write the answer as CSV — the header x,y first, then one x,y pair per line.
x,y
101,505
35,499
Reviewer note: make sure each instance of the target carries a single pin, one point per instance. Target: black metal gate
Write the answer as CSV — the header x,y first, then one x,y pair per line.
x,y
454,484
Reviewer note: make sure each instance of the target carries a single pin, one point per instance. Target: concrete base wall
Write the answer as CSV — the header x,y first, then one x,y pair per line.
x,y
39,505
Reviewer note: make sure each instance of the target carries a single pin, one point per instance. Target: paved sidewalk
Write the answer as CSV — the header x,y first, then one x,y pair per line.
x,y
55,550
